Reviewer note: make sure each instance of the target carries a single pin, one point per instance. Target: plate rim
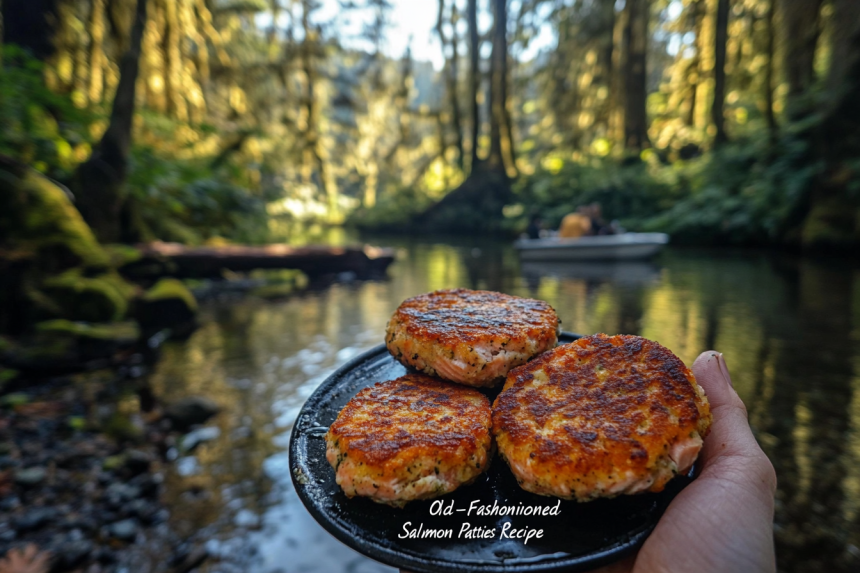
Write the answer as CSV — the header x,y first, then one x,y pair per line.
x,y
429,564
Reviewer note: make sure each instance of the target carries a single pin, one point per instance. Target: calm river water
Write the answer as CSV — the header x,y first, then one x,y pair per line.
x,y
789,328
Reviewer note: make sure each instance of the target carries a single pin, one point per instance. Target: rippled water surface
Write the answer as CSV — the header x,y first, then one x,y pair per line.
x,y
789,327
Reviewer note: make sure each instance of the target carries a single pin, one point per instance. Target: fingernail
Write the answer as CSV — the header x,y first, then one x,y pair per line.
x,y
724,369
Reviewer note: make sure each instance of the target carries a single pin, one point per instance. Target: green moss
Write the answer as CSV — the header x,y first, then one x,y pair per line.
x,y
17,399
127,330
171,289
103,298
37,217
122,254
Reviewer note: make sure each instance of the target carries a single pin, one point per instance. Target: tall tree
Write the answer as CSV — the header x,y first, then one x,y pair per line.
x,y
843,50
634,52
721,36
452,65
770,70
501,140
801,27
314,156
474,79
99,181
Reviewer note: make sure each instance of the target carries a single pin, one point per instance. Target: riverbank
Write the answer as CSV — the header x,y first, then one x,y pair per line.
x,y
82,466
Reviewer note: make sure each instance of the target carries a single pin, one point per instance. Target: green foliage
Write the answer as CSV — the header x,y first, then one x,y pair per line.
x,y
625,191
749,192
393,211
185,201
37,126
745,193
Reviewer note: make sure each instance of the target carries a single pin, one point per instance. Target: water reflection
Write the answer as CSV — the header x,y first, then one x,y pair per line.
x,y
789,329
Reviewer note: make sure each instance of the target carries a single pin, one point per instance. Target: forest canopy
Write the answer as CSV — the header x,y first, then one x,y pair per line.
x,y
719,121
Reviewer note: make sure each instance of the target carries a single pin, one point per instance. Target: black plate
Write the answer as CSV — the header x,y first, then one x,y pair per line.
x,y
583,536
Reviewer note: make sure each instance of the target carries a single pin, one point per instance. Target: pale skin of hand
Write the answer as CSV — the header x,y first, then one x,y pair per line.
x,y
723,520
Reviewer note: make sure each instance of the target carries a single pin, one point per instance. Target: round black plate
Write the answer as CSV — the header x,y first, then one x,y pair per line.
x,y
583,536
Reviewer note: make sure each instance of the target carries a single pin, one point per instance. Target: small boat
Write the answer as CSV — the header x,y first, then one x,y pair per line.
x,y
625,246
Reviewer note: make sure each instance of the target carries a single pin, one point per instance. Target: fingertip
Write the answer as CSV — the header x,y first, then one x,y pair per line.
x,y
713,376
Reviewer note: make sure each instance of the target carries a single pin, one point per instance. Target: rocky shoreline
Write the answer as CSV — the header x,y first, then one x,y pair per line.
x,y
82,462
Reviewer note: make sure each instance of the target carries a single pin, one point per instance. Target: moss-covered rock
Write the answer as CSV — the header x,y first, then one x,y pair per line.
x,y
168,304
171,289
38,220
101,298
60,346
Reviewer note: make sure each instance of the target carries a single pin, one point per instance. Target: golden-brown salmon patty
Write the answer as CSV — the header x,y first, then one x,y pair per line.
x,y
599,417
472,337
410,438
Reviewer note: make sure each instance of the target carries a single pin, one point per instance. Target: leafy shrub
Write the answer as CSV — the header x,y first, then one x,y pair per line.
x,y
38,127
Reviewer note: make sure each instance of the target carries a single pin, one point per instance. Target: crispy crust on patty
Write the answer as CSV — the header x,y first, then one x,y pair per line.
x,y
599,417
410,438
471,337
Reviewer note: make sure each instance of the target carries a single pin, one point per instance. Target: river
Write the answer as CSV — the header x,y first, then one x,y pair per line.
x,y
789,328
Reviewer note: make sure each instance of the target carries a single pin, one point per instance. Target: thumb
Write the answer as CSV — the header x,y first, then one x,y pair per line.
x,y
730,450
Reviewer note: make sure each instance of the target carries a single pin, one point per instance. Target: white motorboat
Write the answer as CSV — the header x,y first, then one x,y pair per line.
x,y
622,247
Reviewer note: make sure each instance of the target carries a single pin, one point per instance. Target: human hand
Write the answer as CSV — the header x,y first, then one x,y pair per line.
x,y
723,520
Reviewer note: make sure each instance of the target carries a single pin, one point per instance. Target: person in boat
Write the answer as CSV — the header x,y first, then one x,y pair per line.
x,y
576,224
598,224
535,228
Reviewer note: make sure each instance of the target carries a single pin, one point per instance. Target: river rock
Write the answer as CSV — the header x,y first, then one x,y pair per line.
x,y
72,553
191,440
125,530
168,304
31,476
34,519
191,411
118,494
137,461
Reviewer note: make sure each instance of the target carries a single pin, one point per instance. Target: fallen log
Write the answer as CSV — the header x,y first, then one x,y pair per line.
x,y
181,261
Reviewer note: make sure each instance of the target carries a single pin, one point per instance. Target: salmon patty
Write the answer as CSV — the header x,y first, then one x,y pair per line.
x,y
410,438
471,337
599,417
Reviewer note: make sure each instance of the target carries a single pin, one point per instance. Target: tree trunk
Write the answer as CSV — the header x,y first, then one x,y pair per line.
x,y
718,105
457,115
801,28
313,152
605,49
769,115
474,79
635,46
833,219
97,55
843,55
694,73
98,182
501,143
504,100
452,65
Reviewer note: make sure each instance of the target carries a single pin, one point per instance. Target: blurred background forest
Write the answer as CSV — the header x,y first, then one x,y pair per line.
x,y
717,121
